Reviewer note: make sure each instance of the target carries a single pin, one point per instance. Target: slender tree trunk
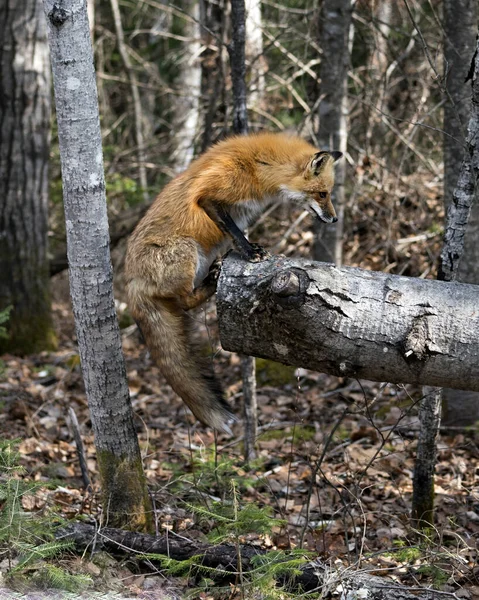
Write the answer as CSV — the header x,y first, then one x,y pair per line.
x,y
135,92
460,28
237,54
124,492
91,16
254,56
214,17
332,133
24,148
187,104
423,480
236,50
452,252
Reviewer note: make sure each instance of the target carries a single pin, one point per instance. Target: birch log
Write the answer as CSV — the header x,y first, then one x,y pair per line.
x,y
351,322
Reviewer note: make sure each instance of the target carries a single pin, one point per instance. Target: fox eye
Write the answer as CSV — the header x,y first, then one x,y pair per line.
x,y
323,194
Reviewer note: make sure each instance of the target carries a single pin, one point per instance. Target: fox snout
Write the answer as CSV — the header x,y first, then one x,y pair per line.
x,y
327,214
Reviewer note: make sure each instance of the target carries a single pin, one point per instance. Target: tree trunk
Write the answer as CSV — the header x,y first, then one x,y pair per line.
x,y
423,481
187,103
124,492
91,16
24,149
254,56
135,94
460,28
237,52
332,133
457,219
351,322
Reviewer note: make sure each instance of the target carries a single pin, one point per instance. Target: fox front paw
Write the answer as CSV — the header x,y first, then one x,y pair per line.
x,y
213,273
258,253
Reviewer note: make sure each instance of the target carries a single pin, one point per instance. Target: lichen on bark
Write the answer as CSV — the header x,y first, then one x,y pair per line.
x,y
124,494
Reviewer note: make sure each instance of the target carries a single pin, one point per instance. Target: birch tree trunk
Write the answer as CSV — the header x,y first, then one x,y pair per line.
x,y
332,133
124,492
187,103
91,16
351,322
135,94
460,28
254,56
24,148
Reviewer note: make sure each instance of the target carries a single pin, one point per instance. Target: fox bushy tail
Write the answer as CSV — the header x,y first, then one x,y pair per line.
x,y
167,331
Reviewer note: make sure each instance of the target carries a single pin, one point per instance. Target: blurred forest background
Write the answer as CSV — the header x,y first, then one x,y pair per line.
x,y
382,80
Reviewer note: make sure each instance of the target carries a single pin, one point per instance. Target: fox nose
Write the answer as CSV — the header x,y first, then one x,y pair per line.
x,y
334,220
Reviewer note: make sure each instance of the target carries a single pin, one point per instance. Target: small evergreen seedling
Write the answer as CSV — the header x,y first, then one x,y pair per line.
x,y
26,539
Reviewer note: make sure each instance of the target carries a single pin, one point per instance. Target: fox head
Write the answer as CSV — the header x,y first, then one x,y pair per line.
x,y
312,188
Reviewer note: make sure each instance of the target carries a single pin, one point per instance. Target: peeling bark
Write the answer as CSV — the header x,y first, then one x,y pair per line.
x,y
460,28
351,322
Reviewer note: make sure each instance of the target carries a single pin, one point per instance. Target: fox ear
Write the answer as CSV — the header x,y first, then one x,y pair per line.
x,y
318,161
336,155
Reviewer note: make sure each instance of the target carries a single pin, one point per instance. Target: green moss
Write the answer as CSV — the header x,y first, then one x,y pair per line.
x,y
29,335
29,328
303,433
407,555
273,373
126,503
274,434
125,319
438,576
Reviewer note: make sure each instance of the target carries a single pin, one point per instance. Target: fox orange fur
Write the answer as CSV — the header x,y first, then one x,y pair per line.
x,y
195,219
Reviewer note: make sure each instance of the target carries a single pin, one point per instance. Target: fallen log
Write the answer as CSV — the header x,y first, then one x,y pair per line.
x,y
351,322
224,560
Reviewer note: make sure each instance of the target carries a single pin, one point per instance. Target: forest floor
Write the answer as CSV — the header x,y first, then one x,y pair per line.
x,y
358,438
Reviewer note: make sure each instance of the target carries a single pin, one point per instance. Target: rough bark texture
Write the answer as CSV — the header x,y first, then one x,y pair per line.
x,y
423,481
250,407
332,134
351,322
24,148
463,197
223,561
123,482
460,28
236,50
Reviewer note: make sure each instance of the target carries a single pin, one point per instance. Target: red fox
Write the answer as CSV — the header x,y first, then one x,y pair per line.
x,y
171,258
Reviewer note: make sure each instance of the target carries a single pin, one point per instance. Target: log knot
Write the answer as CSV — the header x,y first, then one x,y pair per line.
x,y
58,15
418,344
289,287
